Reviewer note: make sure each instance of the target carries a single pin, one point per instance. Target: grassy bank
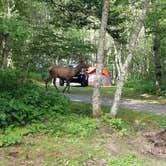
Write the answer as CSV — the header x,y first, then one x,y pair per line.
x,y
74,138
108,92
39,127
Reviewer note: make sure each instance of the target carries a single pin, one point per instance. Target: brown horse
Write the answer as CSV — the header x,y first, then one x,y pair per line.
x,y
64,73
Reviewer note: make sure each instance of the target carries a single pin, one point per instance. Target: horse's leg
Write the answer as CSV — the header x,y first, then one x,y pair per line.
x,y
46,82
64,88
68,85
54,83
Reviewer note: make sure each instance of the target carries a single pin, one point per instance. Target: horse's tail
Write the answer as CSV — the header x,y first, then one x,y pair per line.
x,y
50,68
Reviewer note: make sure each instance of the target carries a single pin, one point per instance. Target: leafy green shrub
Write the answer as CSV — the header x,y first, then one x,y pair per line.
x,y
142,86
82,128
12,136
9,137
70,125
32,106
35,76
163,92
14,80
10,79
22,102
14,112
46,100
115,123
73,125
25,106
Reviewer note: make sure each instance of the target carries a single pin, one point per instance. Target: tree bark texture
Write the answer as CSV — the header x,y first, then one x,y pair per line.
x,y
5,56
118,61
157,60
129,52
5,50
96,93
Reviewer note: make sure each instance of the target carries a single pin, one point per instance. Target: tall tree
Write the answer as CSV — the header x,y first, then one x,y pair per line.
x,y
130,47
156,25
157,57
13,31
96,93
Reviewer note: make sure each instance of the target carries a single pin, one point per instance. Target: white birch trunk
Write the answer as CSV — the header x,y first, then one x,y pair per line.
x,y
118,61
5,52
130,48
96,93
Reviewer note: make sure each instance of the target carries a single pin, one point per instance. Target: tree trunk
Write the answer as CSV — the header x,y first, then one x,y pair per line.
x,y
118,94
5,50
114,75
118,61
157,59
129,52
5,56
96,93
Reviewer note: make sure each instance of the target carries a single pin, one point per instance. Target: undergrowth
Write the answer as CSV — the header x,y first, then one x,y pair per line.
x,y
28,109
59,125
142,86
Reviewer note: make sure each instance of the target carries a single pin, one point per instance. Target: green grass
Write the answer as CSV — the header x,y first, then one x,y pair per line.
x,y
45,128
72,138
130,160
105,91
137,119
108,92
142,119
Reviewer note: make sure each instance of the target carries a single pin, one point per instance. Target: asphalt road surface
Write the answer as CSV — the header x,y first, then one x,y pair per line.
x,y
130,104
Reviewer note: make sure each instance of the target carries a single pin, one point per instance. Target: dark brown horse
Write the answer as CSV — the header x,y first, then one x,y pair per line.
x,y
64,73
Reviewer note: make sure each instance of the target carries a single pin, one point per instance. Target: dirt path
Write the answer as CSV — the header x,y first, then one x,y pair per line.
x,y
131,104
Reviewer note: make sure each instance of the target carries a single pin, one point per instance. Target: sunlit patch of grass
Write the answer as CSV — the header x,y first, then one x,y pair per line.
x,y
133,118
48,150
130,160
141,119
76,140
108,92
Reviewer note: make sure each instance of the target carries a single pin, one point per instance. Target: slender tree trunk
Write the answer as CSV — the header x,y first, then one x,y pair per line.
x,y
114,75
5,56
120,84
129,52
157,59
5,51
118,60
96,93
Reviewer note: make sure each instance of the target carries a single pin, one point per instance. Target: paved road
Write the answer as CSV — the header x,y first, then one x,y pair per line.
x,y
131,104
